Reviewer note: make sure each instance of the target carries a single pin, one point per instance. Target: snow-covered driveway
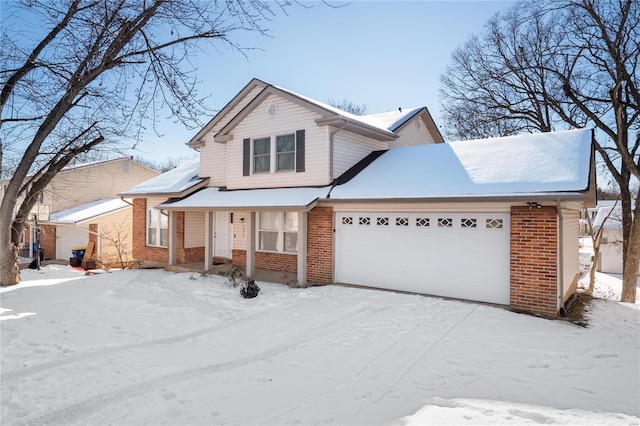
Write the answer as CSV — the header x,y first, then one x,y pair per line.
x,y
152,347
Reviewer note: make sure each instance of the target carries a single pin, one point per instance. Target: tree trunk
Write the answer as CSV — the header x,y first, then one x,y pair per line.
x,y
632,261
9,269
594,266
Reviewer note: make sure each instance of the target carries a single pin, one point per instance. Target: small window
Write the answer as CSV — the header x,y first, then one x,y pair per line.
x,y
445,223
402,221
347,221
364,221
494,223
383,221
125,166
262,155
468,223
422,222
286,152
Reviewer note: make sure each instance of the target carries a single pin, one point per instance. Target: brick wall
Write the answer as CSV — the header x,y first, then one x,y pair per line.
x,y
140,250
320,246
239,257
271,261
534,260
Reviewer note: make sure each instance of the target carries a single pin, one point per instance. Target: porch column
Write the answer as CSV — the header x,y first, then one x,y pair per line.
x,y
173,230
302,248
209,229
251,244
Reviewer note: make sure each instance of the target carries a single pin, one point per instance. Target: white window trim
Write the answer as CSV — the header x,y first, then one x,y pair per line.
x,y
281,231
273,155
158,227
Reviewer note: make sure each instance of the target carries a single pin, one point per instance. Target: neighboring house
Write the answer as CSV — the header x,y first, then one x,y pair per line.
x,y
609,218
289,183
80,201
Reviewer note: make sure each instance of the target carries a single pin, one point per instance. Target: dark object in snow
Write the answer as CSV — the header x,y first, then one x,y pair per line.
x,y
249,289
34,262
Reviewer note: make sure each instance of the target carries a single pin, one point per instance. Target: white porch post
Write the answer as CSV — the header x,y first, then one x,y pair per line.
x,y
302,248
251,244
173,229
209,229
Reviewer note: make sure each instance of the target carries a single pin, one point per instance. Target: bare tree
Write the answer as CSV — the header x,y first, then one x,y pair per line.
x,y
558,64
349,106
82,75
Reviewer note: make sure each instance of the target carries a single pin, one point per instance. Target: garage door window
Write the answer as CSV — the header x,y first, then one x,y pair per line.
x,y
278,232
494,223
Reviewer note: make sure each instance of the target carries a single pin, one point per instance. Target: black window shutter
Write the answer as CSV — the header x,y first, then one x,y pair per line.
x,y
246,157
300,151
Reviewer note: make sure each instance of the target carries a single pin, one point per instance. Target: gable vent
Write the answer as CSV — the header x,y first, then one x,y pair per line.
x,y
272,109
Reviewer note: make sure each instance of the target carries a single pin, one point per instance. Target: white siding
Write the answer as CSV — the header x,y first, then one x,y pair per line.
x,y
193,229
239,231
570,240
290,118
213,156
213,163
349,148
412,134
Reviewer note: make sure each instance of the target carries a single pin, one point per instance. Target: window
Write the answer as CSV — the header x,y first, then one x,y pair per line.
x,y
157,227
125,166
262,155
278,231
286,152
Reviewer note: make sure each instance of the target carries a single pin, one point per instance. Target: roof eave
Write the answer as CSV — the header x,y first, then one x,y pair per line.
x,y
204,182
356,127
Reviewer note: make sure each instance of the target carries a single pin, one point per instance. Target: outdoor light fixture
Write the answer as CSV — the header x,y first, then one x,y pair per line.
x,y
532,204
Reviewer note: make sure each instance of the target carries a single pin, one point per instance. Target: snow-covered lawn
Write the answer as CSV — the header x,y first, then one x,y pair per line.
x,y
153,347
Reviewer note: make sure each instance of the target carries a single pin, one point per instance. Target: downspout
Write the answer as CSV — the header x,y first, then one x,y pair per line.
x,y
560,278
122,198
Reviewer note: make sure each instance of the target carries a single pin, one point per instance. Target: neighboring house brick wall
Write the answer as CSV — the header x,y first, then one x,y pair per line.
x,y
320,245
140,249
534,257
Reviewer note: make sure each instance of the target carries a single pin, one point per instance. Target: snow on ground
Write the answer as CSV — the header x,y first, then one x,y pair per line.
x,y
154,347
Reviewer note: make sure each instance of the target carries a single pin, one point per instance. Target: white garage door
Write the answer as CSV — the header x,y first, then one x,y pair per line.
x,y
461,255
68,237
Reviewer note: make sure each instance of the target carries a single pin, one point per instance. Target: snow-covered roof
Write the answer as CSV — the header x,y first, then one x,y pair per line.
x,y
609,215
281,198
174,181
556,162
388,121
87,211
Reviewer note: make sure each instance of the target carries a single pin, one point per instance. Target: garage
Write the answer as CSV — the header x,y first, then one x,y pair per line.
x,y
68,237
459,255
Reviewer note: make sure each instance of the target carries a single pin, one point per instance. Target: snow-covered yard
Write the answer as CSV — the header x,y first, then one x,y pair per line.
x,y
153,347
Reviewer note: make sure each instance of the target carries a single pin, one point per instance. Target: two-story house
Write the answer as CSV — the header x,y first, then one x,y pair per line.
x,y
81,204
291,184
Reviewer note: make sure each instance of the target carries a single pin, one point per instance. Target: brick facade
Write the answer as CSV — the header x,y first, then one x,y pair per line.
x,y
320,246
284,262
534,260
239,257
140,250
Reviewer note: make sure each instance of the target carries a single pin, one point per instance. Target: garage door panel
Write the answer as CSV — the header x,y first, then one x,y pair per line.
x,y
417,255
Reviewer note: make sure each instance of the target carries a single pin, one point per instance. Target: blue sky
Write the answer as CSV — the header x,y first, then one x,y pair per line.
x,y
384,54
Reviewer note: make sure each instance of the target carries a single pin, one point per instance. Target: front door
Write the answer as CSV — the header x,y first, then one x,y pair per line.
x,y
222,235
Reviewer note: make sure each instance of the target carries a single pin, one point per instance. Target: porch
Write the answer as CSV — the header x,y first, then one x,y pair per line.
x,y
265,275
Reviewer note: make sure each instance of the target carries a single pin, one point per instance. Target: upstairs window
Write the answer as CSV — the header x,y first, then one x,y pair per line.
x,y
280,153
286,152
262,155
